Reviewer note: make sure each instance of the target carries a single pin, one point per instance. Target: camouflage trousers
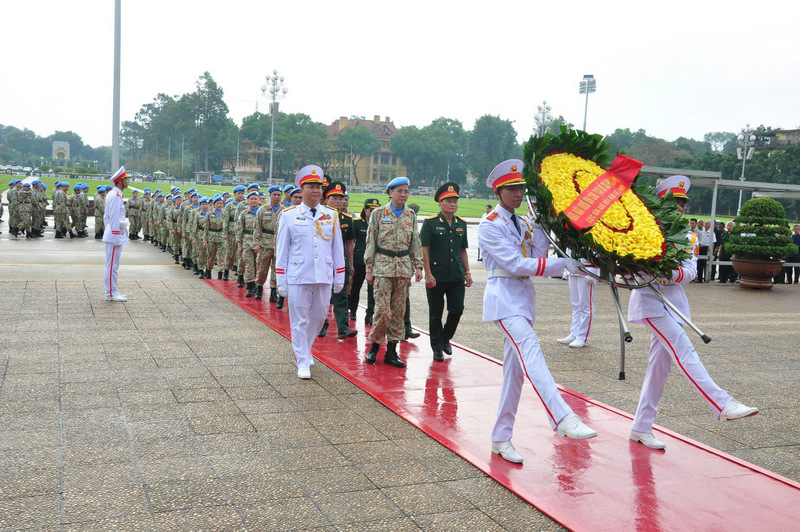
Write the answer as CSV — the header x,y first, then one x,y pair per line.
x,y
136,225
230,251
61,220
24,221
99,226
390,308
211,252
146,225
200,253
264,260
175,237
247,266
186,247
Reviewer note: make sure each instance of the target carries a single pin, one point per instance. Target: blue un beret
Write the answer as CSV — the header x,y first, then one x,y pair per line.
x,y
396,182
295,191
239,188
288,187
274,188
253,193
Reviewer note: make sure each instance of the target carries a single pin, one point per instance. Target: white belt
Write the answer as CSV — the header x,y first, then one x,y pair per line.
x,y
499,272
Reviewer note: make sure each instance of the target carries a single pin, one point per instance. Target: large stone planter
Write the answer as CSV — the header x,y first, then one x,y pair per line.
x,y
757,274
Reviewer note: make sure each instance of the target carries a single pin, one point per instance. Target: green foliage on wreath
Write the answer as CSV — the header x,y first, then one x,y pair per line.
x,y
674,225
763,232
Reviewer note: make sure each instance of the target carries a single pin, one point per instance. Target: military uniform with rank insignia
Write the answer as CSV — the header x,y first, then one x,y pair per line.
x,y
244,237
99,209
264,238
669,342
392,256
309,262
360,226
444,252
513,252
215,222
334,194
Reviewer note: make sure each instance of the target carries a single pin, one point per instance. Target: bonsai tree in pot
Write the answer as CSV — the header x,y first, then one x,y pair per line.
x,y
760,243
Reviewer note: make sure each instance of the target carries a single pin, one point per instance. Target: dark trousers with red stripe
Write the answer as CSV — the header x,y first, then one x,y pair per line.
x,y
524,361
669,343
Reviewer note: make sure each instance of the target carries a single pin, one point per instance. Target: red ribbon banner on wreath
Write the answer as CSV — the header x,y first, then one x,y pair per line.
x,y
593,202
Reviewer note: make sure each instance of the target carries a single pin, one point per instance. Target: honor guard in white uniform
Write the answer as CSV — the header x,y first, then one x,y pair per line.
x,y
581,296
513,252
669,342
115,234
309,262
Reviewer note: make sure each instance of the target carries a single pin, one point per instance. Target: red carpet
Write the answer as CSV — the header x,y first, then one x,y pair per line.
x,y
606,483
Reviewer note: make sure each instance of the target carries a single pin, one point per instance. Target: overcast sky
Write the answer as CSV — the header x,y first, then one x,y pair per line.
x,y
679,68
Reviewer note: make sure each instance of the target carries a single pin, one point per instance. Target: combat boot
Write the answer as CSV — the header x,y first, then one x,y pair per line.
x,y
273,295
240,281
391,357
208,273
219,275
373,353
279,302
59,234
259,292
71,234
251,289
225,275
176,259
98,236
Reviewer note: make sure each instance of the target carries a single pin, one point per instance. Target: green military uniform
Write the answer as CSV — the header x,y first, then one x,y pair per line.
x,y
229,234
24,206
60,212
198,231
244,237
393,252
360,226
74,211
83,205
133,210
444,242
175,229
38,210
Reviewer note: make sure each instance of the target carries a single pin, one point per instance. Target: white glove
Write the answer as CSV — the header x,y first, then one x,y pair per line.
x,y
573,266
338,288
283,290
590,280
123,225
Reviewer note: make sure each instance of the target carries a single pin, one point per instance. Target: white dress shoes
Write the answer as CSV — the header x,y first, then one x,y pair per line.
x,y
568,340
647,439
304,372
572,427
577,343
116,298
507,451
736,410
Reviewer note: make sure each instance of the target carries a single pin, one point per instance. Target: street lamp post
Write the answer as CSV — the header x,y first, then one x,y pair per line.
x,y
587,86
543,118
275,88
746,139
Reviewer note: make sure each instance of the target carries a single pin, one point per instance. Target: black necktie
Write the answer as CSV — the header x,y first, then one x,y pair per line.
x,y
313,212
514,221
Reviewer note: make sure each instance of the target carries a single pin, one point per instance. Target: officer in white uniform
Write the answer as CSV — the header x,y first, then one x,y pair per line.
x,y
513,252
669,342
309,261
115,234
581,296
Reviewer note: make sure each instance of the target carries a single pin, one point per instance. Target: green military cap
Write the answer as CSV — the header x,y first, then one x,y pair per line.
x,y
448,190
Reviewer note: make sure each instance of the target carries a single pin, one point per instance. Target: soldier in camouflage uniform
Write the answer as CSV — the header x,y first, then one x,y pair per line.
x,y
186,238
60,210
23,202
244,237
99,210
240,209
174,215
229,229
133,210
198,229
83,206
74,210
212,239
264,240
392,256
147,198
38,208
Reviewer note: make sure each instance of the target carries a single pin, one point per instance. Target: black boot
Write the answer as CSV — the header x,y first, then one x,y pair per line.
x,y
240,281
71,234
176,259
59,234
324,330
251,289
98,236
279,302
368,319
235,269
185,263
208,273
259,292
273,295
194,269
373,353
225,275
219,275
391,357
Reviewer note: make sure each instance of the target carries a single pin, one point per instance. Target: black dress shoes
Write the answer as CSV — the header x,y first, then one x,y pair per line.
x,y
448,349
347,333
438,356
412,334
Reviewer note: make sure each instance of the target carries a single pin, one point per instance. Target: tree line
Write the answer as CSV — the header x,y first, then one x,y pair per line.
x,y
183,134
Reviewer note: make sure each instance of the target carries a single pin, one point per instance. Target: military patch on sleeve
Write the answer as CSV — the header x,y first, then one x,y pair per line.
x,y
492,216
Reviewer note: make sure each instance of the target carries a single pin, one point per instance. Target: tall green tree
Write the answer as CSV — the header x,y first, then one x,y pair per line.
x,y
355,143
492,141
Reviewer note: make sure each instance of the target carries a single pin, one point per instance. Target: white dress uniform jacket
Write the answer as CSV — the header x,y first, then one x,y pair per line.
x,y
113,217
513,257
645,304
309,248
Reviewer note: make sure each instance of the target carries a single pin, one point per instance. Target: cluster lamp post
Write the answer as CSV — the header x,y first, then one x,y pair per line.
x,y
543,118
275,89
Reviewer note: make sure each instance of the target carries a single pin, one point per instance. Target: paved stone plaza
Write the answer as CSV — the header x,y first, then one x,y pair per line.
x,y
179,411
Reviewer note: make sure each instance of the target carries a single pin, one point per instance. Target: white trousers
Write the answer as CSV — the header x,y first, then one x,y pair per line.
x,y
308,307
669,343
113,254
524,360
581,295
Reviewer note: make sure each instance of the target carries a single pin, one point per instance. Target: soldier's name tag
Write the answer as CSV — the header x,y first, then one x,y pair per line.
x,y
300,220
440,228
386,220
